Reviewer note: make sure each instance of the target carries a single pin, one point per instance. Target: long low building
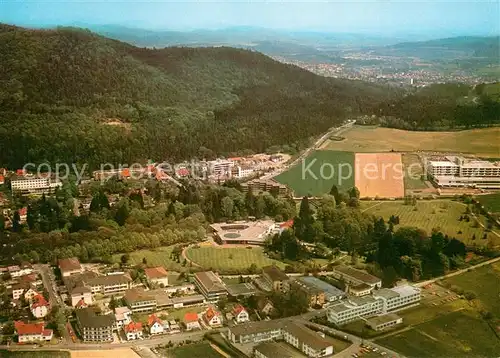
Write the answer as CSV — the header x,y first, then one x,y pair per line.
x,y
352,276
380,302
243,233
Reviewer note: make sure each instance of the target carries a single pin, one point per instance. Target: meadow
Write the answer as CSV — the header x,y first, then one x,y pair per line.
x,y
481,142
413,170
202,349
481,281
457,334
432,214
320,164
229,258
491,202
157,257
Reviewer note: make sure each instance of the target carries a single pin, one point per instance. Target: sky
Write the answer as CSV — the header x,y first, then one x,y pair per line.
x,y
440,17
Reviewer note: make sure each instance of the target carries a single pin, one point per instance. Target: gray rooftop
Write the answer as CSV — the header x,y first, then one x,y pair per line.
x,y
273,349
386,293
386,318
330,290
88,318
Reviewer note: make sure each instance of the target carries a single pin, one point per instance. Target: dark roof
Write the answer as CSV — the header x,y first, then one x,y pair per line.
x,y
357,274
88,318
134,295
275,273
210,281
273,349
361,287
80,289
70,264
256,327
108,280
307,336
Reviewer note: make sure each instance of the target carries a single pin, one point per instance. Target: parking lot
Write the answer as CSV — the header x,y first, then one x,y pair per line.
x,y
367,351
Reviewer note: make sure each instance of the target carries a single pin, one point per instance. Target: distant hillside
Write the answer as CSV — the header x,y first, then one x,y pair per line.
x,y
454,47
69,95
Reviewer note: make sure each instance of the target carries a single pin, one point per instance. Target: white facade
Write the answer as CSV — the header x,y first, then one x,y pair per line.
x,y
192,325
134,335
123,316
34,185
39,311
77,296
242,317
156,328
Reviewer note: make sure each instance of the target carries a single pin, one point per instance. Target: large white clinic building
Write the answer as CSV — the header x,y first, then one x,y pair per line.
x,y
380,302
33,185
453,171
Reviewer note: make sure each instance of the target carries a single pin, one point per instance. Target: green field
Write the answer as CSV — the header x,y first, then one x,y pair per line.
x,y
413,170
229,258
432,214
202,349
485,283
491,202
458,334
326,168
481,142
156,257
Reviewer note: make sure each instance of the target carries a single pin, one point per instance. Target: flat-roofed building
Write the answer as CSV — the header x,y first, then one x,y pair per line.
x,y
93,327
399,297
210,285
353,276
379,323
332,293
253,332
276,278
273,350
34,185
267,185
354,308
306,340
360,290
187,301
139,300
110,284
244,232
314,295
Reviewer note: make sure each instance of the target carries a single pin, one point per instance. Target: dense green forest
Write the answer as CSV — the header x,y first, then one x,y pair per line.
x,y
69,95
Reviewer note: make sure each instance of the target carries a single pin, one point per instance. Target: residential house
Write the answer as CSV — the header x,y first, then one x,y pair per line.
x,y
191,321
155,325
93,327
265,306
30,293
210,285
157,275
240,314
23,215
133,330
212,317
81,304
19,271
18,289
122,316
32,332
40,307
70,266
139,300
276,278
81,293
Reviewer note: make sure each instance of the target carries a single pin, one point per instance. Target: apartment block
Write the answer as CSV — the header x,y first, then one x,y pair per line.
x,y
210,285
93,327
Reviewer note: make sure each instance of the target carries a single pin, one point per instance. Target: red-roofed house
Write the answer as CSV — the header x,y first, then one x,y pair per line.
x,y
32,332
240,314
133,330
157,275
39,307
30,294
182,172
286,225
23,214
81,304
21,172
212,317
155,325
70,266
191,321
2,179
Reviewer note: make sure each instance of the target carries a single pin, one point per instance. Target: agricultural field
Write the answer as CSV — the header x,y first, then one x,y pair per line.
x,y
379,175
480,142
413,172
156,257
481,281
432,214
457,334
229,258
319,172
491,202
202,349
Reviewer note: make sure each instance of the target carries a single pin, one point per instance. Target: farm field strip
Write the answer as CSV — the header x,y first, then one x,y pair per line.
x,y
413,168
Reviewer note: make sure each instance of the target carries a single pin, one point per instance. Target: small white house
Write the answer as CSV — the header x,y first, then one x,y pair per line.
x,y
133,330
212,317
122,316
155,325
39,307
240,314
191,321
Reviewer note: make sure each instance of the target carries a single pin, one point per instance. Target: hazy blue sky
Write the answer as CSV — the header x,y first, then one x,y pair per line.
x,y
382,16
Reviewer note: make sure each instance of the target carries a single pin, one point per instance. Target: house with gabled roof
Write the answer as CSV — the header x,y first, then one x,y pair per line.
x,y
191,321
155,325
40,307
157,275
32,332
133,330
212,317
240,314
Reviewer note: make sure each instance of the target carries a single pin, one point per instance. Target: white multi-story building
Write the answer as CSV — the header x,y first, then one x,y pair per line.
x,y
380,302
220,167
460,172
34,185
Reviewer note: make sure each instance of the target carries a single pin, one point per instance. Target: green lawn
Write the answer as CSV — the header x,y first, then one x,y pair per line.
x,y
202,349
156,257
485,283
458,334
229,258
413,170
491,202
317,173
431,214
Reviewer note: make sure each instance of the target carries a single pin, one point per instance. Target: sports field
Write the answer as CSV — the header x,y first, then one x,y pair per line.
x,y
481,281
156,257
413,171
379,175
319,172
429,214
481,142
229,258
457,334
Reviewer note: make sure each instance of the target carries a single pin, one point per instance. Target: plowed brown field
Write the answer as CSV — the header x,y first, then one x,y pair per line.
x,y
379,175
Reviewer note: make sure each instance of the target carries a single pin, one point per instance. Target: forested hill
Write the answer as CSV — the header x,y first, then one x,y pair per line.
x,y
68,95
